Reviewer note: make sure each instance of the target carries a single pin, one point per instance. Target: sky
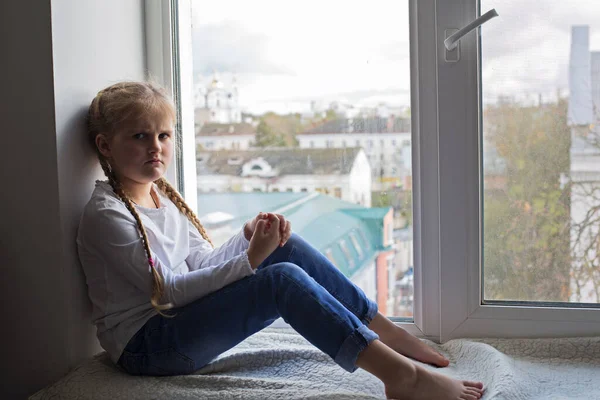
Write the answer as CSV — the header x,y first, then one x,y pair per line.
x,y
357,52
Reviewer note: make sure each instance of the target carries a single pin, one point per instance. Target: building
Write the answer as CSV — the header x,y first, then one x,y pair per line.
x,y
217,101
387,144
217,136
342,173
357,240
584,103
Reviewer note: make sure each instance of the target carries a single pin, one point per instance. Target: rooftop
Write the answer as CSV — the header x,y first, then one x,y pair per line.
x,y
325,222
362,125
287,161
214,129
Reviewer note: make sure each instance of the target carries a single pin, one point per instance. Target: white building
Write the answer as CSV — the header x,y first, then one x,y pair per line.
x,y
342,173
583,117
215,136
217,101
387,144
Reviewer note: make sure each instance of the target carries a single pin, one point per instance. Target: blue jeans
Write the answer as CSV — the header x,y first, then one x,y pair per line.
x,y
296,282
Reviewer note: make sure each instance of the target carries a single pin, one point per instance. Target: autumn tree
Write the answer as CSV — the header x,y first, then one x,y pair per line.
x,y
526,229
266,137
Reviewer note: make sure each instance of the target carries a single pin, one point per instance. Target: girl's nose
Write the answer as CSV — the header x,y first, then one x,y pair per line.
x,y
154,145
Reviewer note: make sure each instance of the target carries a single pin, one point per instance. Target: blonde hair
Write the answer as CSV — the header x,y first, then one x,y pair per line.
x,y
128,102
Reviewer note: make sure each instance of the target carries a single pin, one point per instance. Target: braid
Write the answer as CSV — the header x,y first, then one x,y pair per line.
x,y
157,281
182,206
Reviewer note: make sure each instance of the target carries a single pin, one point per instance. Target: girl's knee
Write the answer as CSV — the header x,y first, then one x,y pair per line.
x,y
286,268
294,240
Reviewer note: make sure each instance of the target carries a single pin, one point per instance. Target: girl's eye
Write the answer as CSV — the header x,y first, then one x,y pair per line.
x,y
139,135
164,136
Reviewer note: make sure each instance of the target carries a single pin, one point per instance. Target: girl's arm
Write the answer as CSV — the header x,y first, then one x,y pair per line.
x,y
202,255
111,240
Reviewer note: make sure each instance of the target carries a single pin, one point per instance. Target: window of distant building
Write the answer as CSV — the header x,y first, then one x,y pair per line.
x,y
329,255
356,244
346,252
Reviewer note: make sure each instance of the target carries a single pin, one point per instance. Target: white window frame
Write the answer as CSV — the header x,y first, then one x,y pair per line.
x,y
446,179
163,47
161,51
462,312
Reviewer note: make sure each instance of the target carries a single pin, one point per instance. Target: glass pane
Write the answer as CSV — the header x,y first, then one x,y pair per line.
x,y
305,111
541,154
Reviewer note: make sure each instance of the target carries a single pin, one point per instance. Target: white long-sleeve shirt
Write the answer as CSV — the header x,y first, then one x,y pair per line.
x,y
118,274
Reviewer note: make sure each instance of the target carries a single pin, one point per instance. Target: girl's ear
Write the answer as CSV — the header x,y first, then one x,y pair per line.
x,y
103,145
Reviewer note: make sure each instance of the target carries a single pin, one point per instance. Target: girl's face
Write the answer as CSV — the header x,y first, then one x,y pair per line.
x,y
139,152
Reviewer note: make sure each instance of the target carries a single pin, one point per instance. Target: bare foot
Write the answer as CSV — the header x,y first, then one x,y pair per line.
x,y
404,343
410,346
430,385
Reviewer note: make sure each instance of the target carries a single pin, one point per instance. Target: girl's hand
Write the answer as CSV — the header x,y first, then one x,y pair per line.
x,y
264,241
250,226
285,226
285,229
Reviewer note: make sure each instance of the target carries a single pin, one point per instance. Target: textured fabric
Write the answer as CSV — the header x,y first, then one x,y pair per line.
x,y
279,364
118,274
295,282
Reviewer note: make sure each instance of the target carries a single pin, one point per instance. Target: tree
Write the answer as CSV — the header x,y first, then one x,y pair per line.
x,y
265,137
526,228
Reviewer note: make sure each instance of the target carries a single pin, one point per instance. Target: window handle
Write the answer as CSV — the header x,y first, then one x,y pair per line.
x,y
452,41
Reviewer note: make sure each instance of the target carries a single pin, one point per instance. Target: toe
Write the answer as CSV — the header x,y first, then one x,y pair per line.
x,y
474,392
443,361
477,385
466,396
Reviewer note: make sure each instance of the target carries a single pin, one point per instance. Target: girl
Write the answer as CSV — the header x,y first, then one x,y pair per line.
x,y
166,302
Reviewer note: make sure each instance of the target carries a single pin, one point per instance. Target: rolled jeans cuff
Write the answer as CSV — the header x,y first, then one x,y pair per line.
x,y
371,312
352,346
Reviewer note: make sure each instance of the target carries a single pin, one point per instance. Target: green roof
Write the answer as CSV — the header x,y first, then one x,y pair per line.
x,y
329,224
243,206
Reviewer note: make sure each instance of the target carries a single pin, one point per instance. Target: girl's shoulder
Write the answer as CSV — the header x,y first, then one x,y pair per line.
x,y
104,199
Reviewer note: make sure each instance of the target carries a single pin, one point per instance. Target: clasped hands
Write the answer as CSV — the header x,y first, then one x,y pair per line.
x,y
268,220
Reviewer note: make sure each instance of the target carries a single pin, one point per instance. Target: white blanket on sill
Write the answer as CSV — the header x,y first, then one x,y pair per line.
x,y
277,363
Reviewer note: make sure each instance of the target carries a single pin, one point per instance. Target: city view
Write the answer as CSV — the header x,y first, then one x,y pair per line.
x,y
308,115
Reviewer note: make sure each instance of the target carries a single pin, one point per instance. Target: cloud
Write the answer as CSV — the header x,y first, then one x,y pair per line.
x,y
228,47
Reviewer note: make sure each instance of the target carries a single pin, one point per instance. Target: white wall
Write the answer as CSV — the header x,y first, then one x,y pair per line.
x,y
234,142
56,56
394,147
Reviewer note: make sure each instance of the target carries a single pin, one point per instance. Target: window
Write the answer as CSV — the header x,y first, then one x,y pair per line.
x,y
356,245
523,265
347,254
329,255
448,196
